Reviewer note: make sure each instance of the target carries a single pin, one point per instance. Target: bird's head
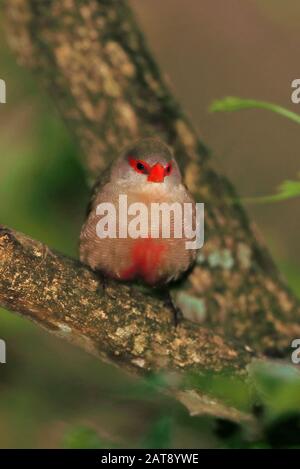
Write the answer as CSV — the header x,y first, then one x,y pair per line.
x,y
148,162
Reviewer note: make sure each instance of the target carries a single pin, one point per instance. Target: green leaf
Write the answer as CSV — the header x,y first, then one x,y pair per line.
x,y
277,385
232,103
229,389
82,438
292,274
288,189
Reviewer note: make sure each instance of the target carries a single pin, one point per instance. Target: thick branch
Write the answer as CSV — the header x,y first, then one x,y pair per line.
x,y
119,324
93,59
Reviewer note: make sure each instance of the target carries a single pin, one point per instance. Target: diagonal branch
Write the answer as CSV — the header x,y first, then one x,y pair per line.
x,y
119,324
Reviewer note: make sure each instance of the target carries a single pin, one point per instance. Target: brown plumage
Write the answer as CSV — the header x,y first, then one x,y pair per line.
x,y
146,172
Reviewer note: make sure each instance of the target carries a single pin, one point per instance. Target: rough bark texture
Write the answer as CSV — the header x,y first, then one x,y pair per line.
x,y
93,59
115,322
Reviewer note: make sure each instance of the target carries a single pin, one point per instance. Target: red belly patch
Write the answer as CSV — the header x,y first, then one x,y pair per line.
x,y
147,256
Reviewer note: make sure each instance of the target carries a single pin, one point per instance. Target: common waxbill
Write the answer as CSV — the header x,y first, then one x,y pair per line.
x,y
146,172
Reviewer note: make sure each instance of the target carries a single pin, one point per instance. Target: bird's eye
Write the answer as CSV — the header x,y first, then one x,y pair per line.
x,y
139,166
168,169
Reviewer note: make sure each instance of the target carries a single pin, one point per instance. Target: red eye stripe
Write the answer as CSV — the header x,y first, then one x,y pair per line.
x,y
139,166
168,169
142,167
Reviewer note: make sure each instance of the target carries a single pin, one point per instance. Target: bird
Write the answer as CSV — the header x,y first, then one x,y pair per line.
x,y
145,172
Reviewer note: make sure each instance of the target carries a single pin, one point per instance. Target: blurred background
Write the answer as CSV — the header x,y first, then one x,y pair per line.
x,y
51,394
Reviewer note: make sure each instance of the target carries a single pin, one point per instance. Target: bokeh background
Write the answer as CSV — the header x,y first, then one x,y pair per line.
x,y
51,394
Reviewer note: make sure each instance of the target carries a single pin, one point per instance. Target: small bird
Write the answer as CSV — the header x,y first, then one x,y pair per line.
x,y
147,173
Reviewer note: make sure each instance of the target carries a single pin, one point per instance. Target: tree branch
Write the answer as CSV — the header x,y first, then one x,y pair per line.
x,y
93,59
119,323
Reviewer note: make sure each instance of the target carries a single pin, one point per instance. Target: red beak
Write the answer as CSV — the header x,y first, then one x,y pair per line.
x,y
157,173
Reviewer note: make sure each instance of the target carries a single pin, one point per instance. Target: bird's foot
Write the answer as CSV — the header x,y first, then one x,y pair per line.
x,y
104,283
106,288
177,313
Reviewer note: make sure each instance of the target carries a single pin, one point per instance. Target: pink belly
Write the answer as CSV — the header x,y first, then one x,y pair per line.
x,y
146,260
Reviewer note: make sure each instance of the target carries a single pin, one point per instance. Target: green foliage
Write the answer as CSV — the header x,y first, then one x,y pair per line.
x,y
82,438
231,390
292,274
278,387
159,436
269,396
231,103
288,189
